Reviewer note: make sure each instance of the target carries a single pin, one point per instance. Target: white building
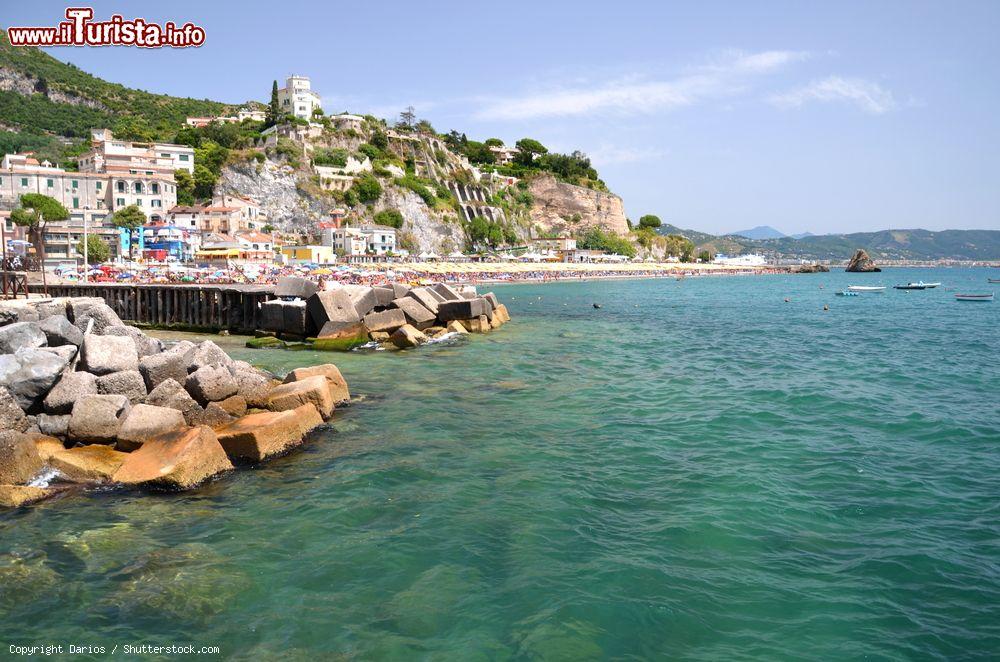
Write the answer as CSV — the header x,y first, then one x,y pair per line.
x,y
125,156
504,155
750,260
362,240
297,97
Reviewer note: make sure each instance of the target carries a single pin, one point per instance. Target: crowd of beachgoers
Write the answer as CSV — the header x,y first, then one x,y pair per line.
x,y
373,275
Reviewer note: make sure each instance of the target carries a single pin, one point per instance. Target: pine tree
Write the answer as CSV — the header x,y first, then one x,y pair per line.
x,y
273,109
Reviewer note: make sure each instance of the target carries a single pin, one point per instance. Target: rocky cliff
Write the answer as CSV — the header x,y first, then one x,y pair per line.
x,y
563,208
861,263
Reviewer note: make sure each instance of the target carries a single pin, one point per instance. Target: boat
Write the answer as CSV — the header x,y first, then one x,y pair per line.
x,y
975,297
930,286
866,288
993,280
847,293
910,286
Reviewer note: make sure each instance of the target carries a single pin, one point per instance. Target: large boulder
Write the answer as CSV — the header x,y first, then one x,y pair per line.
x,y
144,345
311,390
334,308
19,458
338,385
363,298
210,384
13,496
861,263
265,434
206,353
21,335
213,416
387,320
127,382
272,316
253,386
501,312
70,388
96,418
491,299
47,309
158,368
29,374
177,460
144,422
400,290
103,355
11,415
426,297
53,425
172,395
446,292
46,445
355,332
293,287
479,324
295,319
407,336
419,316
60,331
88,464
384,296
101,314
463,309
66,352
456,327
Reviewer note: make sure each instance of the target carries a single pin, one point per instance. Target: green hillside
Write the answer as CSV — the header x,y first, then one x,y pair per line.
x,y
98,102
884,244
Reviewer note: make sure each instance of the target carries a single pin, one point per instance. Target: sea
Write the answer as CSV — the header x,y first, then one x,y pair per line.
x,y
713,468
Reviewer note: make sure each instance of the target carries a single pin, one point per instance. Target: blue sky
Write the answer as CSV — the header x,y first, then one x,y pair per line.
x,y
824,117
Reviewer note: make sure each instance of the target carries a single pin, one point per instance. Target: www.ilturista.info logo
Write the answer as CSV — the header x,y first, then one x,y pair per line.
x,y
80,30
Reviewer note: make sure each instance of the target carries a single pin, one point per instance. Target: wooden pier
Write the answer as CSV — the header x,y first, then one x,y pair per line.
x,y
235,308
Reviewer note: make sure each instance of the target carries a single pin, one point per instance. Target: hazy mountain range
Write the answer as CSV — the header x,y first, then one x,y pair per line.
x,y
884,244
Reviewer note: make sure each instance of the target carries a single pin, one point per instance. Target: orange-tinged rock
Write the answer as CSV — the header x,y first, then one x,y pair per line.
x,y
262,435
177,460
311,390
47,446
338,385
12,496
87,464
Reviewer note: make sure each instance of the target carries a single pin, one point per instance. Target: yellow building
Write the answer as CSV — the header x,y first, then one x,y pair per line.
x,y
309,254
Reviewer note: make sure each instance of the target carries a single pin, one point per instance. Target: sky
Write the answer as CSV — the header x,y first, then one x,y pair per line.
x,y
844,116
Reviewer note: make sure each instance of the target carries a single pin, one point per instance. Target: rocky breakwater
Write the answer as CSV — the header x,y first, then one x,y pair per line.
x,y
861,262
86,399
396,316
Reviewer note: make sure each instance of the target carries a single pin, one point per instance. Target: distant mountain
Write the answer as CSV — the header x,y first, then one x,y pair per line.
x,y
881,245
803,235
760,232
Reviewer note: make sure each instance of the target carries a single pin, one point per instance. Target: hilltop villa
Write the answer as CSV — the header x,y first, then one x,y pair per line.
x,y
297,97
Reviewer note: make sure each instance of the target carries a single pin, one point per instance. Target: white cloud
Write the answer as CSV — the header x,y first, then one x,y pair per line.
x,y
633,95
866,95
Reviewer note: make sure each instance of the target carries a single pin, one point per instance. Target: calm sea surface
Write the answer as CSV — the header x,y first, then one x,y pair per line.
x,y
696,470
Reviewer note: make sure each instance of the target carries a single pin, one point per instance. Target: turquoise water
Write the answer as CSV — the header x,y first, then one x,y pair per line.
x,y
697,470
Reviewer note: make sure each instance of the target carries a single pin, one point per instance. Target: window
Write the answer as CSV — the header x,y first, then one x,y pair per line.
x,y
100,185
121,187
24,182
183,157
76,203
138,202
165,155
50,183
75,183
154,187
120,202
155,203
137,187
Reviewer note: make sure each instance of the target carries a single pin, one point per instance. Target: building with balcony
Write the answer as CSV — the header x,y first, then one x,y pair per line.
x,y
297,97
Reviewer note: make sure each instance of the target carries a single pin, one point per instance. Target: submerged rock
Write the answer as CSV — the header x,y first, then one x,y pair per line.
x,y
177,460
86,464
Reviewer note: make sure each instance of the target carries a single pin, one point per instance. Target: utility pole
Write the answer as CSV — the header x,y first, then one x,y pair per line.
x,y
86,246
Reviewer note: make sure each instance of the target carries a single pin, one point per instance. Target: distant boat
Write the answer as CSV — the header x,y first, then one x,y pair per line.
x,y
846,293
910,286
993,280
974,297
930,286
866,288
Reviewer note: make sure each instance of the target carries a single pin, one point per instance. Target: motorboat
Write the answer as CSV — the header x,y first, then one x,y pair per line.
x,y
847,293
910,286
993,280
975,297
866,288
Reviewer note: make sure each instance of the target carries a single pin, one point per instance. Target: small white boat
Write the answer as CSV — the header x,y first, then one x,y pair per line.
x,y
974,297
930,286
866,288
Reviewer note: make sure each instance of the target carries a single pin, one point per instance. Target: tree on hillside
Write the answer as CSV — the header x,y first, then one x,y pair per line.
x,y
493,142
130,217
408,117
527,150
650,221
97,250
35,211
367,188
132,127
185,187
705,256
379,139
273,108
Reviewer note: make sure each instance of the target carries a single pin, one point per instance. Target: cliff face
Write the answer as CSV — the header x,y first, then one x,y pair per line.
x,y
563,208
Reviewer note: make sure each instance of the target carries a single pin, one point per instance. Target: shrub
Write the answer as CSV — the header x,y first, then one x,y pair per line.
x,y
367,188
391,217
